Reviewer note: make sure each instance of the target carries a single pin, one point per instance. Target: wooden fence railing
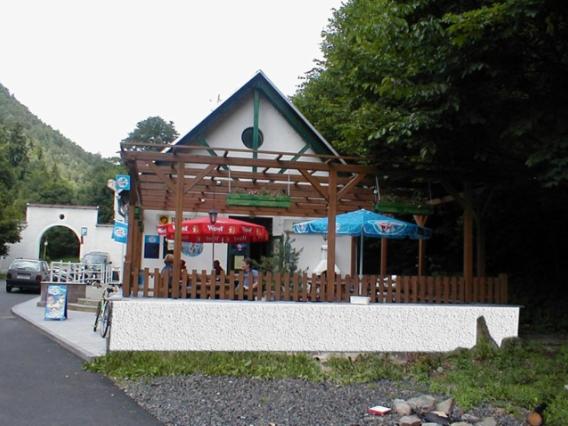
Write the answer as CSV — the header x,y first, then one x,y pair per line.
x,y
305,288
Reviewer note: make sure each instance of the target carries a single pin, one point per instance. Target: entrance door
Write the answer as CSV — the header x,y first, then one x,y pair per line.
x,y
238,252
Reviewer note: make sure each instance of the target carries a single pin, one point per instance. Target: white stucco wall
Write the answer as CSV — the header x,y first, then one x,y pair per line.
x,y
210,325
278,135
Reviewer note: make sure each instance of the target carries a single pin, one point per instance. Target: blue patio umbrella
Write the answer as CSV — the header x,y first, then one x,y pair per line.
x,y
364,223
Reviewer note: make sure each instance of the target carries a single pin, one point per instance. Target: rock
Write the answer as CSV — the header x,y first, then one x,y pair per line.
x,y
410,421
401,407
440,419
457,413
445,406
461,424
422,404
483,335
430,424
470,418
487,421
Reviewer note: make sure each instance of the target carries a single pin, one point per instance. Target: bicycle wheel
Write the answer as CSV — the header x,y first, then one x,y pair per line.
x,y
98,315
106,319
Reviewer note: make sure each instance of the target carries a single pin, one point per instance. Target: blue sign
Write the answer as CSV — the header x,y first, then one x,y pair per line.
x,y
120,232
122,183
191,249
56,302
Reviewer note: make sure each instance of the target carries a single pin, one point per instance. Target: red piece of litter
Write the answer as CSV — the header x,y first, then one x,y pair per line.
x,y
378,410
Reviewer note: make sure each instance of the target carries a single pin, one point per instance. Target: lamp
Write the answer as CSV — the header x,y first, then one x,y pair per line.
x,y
213,216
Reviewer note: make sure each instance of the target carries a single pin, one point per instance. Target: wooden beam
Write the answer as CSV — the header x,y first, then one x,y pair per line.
x,y
351,184
163,175
198,178
316,185
247,162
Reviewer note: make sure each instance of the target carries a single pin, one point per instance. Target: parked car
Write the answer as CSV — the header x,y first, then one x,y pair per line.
x,y
27,274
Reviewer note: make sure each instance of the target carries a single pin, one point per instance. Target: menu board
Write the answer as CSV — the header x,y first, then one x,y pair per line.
x,y
56,302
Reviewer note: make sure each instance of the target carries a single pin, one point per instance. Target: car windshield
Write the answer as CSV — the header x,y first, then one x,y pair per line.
x,y
25,264
95,259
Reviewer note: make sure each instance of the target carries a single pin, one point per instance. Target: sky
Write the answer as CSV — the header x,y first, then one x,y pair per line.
x,y
94,69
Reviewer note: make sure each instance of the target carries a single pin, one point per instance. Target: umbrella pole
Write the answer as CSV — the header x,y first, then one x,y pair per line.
x,y
361,255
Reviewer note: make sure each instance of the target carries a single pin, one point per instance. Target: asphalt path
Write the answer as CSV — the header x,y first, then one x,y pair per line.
x,y
41,383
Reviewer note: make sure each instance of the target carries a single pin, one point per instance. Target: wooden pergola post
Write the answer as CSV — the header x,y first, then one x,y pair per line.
x,y
421,221
130,243
331,214
383,267
180,168
468,243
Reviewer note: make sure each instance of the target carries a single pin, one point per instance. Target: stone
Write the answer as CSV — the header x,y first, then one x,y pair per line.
x,y
445,406
401,408
440,419
422,404
487,421
409,421
460,424
470,418
483,334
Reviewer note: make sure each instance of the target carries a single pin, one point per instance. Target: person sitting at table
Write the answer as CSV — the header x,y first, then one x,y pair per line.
x,y
168,269
217,267
250,277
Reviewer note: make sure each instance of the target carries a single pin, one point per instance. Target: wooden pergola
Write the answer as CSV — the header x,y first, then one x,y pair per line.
x,y
196,179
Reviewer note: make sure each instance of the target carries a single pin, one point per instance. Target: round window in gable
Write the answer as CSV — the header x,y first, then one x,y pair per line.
x,y
61,216
246,137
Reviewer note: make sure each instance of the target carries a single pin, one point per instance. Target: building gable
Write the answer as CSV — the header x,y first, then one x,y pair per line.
x,y
258,105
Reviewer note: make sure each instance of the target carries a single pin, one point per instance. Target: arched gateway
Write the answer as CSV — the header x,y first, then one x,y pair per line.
x,y
81,220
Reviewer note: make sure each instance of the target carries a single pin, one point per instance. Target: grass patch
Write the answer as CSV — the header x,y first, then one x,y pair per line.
x,y
237,364
517,376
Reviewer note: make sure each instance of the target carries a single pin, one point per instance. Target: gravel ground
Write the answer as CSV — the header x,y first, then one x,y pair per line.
x,y
200,400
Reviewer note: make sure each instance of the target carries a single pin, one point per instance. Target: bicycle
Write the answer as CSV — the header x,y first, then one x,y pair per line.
x,y
104,310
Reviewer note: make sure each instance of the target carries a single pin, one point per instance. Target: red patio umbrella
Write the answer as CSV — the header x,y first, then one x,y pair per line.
x,y
225,230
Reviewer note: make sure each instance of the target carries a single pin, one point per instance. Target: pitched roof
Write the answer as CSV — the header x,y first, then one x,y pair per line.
x,y
291,114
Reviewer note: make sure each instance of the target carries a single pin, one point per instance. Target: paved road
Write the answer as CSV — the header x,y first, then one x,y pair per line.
x,y
43,384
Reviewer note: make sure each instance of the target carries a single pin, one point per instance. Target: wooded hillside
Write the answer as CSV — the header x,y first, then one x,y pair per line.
x,y
43,166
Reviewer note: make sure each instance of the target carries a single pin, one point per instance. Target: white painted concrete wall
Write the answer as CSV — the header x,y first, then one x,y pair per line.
x,y
40,218
210,325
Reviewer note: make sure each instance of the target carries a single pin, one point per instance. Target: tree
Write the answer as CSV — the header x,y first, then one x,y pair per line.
x,y
9,219
456,86
470,94
154,130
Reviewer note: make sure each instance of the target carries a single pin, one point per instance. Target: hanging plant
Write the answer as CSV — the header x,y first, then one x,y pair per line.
x,y
263,199
392,204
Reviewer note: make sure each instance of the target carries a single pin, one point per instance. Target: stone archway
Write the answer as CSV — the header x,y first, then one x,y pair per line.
x,y
59,243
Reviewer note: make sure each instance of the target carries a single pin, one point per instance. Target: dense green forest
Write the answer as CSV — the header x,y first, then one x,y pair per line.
x,y
467,100
40,165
